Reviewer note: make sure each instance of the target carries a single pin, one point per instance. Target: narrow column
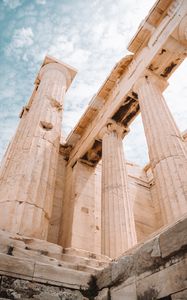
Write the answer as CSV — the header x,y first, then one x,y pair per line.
x,y
166,149
27,177
118,227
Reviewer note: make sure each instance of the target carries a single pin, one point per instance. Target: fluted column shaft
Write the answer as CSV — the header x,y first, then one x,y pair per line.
x,y
166,149
27,177
118,228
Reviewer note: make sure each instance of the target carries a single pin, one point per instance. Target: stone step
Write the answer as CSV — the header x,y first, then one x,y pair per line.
x,y
66,260
71,262
75,264
84,261
34,245
39,251
86,254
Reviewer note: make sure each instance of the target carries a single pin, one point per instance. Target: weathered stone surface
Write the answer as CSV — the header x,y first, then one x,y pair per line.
x,y
22,289
122,268
147,256
121,292
163,283
180,296
174,238
103,295
15,266
104,278
58,275
116,272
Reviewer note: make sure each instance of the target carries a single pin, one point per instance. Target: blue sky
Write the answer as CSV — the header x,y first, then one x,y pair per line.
x,y
90,35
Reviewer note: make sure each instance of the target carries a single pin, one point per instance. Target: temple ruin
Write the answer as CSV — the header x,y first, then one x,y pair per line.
x,y
78,221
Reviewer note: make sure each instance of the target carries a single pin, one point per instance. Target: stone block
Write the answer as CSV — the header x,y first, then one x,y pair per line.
x,y
163,283
147,257
58,275
14,266
103,294
174,238
123,291
122,268
104,278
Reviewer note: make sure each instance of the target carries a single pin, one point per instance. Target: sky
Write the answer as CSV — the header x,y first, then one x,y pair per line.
x,y
91,36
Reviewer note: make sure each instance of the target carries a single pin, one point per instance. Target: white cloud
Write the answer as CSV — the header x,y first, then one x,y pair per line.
x,y
42,2
12,3
21,38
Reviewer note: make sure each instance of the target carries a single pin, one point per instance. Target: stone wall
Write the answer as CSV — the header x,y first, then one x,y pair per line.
x,y
144,204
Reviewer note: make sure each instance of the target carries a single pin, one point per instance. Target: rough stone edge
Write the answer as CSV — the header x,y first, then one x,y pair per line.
x,y
147,258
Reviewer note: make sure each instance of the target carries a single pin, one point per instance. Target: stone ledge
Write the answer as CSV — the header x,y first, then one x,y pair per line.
x,y
162,251
174,239
46,273
163,283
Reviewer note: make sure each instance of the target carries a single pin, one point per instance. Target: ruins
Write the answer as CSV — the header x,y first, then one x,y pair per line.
x,y
77,221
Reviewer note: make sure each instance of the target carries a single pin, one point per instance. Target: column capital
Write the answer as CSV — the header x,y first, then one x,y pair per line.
x,y
149,77
112,126
51,63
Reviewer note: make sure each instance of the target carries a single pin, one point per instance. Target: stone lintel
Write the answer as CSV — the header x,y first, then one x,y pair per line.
x,y
98,100
148,25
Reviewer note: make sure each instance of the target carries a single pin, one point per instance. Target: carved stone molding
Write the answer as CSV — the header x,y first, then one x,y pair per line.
x,y
182,31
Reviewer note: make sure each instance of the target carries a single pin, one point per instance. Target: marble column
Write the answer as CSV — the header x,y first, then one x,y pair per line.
x,y
118,227
166,148
27,177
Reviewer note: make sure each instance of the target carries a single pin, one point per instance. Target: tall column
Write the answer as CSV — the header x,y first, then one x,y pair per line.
x,y
27,177
166,148
118,227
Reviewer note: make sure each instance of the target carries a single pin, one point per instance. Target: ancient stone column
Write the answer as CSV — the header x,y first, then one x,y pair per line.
x,y
118,227
166,148
27,177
